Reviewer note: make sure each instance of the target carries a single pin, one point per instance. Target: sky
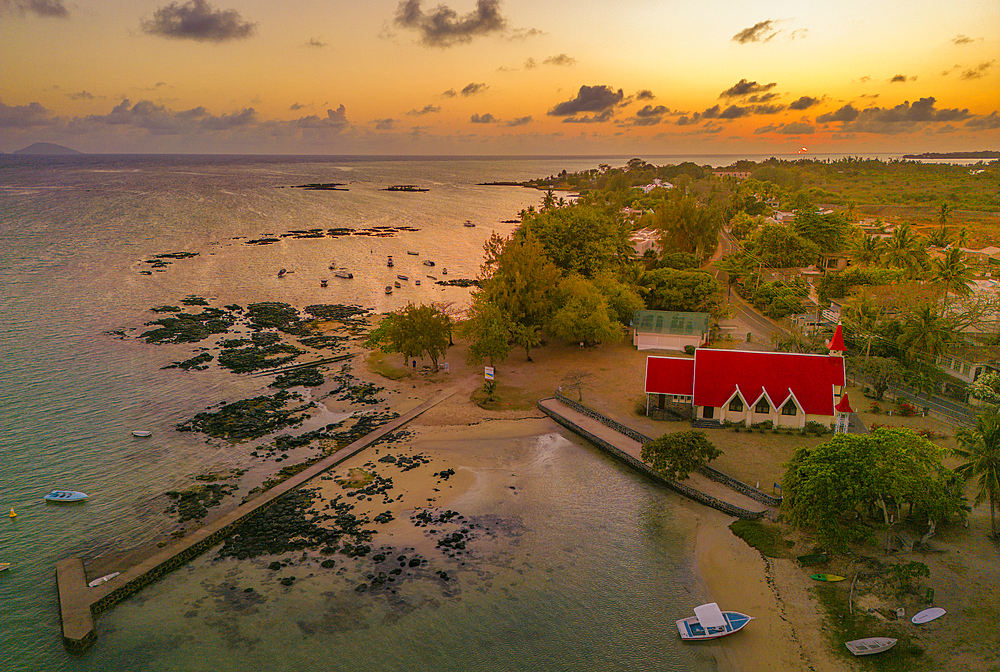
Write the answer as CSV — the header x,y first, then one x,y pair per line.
x,y
500,77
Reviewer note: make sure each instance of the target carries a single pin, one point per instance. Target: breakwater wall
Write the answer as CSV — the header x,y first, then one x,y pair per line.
x,y
646,470
79,603
706,471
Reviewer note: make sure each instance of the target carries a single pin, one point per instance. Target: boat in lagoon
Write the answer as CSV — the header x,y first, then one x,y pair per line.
x,y
388,289
416,282
826,577
403,277
870,645
469,224
65,496
322,283
343,274
428,262
282,272
398,286
389,263
412,252
104,579
928,615
710,622
141,433
444,271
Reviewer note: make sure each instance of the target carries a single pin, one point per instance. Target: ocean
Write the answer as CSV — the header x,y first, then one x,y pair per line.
x,y
596,576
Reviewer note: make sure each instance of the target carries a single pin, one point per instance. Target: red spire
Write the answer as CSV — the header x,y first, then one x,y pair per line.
x,y
836,343
844,405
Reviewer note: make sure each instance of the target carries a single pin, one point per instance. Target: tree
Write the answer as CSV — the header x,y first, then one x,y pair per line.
x,y
742,225
867,250
904,251
830,232
780,247
687,291
527,336
685,225
926,333
413,331
584,316
577,379
861,316
579,238
980,448
986,388
622,300
882,372
943,212
952,273
522,281
488,330
837,485
676,455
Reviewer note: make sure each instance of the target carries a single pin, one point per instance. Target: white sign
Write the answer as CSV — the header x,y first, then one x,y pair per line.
x,y
489,372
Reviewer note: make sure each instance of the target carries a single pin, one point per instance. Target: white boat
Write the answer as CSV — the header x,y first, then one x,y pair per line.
x,y
928,615
343,274
141,433
866,647
104,579
4,566
710,622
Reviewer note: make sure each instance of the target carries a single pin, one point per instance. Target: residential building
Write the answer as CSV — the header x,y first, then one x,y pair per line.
x,y
669,330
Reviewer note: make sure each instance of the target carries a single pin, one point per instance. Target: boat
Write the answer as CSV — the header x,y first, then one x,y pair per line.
x,y
281,273
432,277
444,271
403,277
710,622
104,579
928,615
389,263
412,252
870,645
428,262
388,289
322,283
826,577
416,282
4,566
142,433
397,284
65,496
469,224
343,274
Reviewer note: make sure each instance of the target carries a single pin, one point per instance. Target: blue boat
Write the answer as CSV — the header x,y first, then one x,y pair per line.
x,y
710,622
65,496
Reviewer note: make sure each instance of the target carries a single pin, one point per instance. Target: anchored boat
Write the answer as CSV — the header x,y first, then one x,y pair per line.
x,y
104,579
343,274
65,496
710,622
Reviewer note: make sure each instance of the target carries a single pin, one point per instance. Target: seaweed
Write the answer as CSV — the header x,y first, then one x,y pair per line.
x,y
277,315
193,503
247,418
189,327
307,377
247,360
166,309
194,301
197,363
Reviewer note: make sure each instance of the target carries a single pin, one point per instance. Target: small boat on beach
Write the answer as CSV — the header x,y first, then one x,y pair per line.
x,y
870,645
282,272
428,262
104,579
412,252
388,289
432,277
469,224
403,277
710,622
343,274
826,577
141,433
65,496
927,615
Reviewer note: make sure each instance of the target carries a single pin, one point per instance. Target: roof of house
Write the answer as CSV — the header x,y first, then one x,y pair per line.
x,y
719,374
670,322
844,405
669,375
837,342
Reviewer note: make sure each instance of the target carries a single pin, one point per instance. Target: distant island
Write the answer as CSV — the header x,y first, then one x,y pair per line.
x,y
405,187
47,149
988,154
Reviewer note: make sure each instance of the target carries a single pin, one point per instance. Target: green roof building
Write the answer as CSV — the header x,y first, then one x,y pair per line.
x,y
669,330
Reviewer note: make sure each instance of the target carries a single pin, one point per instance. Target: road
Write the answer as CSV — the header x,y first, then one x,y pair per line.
x,y
745,318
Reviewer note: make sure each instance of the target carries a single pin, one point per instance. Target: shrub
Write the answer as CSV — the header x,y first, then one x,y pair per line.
x,y
907,410
688,349
813,427
765,424
875,408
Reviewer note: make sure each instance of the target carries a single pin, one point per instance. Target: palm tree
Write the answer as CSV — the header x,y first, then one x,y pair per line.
x,y
943,213
952,273
927,333
904,251
867,250
861,316
980,447
963,237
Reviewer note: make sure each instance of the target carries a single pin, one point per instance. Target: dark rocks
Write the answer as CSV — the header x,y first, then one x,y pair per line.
x,y
328,564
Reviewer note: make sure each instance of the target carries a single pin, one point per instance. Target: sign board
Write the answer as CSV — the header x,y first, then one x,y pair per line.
x,y
489,372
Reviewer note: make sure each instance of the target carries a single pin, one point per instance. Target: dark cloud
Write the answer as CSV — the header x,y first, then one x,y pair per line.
x,y
81,95
295,107
315,42
745,88
710,113
335,120
519,121
899,119
865,78
734,112
766,109
803,103
23,116
559,59
225,122
48,8
901,78
846,113
589,99
474,89
794,128
650,111
385,124
587,119
762,98
978,71
645,94
530,64
961,39
759,32
450,93
483,119
198,20
443,27
427,109
987,123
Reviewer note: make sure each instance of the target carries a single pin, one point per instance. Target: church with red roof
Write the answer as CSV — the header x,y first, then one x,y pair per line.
x,y
787,388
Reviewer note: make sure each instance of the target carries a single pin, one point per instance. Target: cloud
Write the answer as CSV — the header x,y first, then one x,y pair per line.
x,y
294,107
888,120
24,116
450,93
745,88
763,31
427,109
734,112
47,8
794,128
484,119
845,113
587,119
519,121
197,20
600,99
798,34
987,123
650,111
335,120
385,124
559,59
443,27
804,103
901,78
530,64
81,95
474,89
978,71
865,79
648,115
961,39
645,94
316,42
225,122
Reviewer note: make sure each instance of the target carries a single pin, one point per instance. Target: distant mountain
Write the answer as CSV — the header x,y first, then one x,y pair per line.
x,y
47,149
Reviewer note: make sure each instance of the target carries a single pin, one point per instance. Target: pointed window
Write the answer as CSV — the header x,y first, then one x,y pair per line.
x,y
762,407
736,405
789,408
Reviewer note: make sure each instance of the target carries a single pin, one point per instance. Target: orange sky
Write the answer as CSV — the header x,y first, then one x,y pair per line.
x,y
501,76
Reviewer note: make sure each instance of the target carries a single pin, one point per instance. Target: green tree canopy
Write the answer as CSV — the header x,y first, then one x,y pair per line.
x,y
779,247
676,455
522,281
830,232
686,225
688,291
980,448
413,331
579,238
487,330
584,315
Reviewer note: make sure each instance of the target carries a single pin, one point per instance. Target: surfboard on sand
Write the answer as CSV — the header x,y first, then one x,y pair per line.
x,y
928,615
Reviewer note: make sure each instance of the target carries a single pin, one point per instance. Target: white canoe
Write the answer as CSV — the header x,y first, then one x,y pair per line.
x,y
141,432
866,647
928,615
710,622
104,579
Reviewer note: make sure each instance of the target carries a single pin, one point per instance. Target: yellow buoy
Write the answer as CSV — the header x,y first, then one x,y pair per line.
x,y
12,514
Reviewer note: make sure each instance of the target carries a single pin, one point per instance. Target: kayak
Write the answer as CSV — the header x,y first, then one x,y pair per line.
x,y
827,577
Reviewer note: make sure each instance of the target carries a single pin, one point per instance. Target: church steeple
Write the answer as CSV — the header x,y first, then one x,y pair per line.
x,y
836,344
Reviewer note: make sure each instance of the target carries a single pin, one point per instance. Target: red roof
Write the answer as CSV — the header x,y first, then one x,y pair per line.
x,y
844,405
837,341
810,378
669,375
